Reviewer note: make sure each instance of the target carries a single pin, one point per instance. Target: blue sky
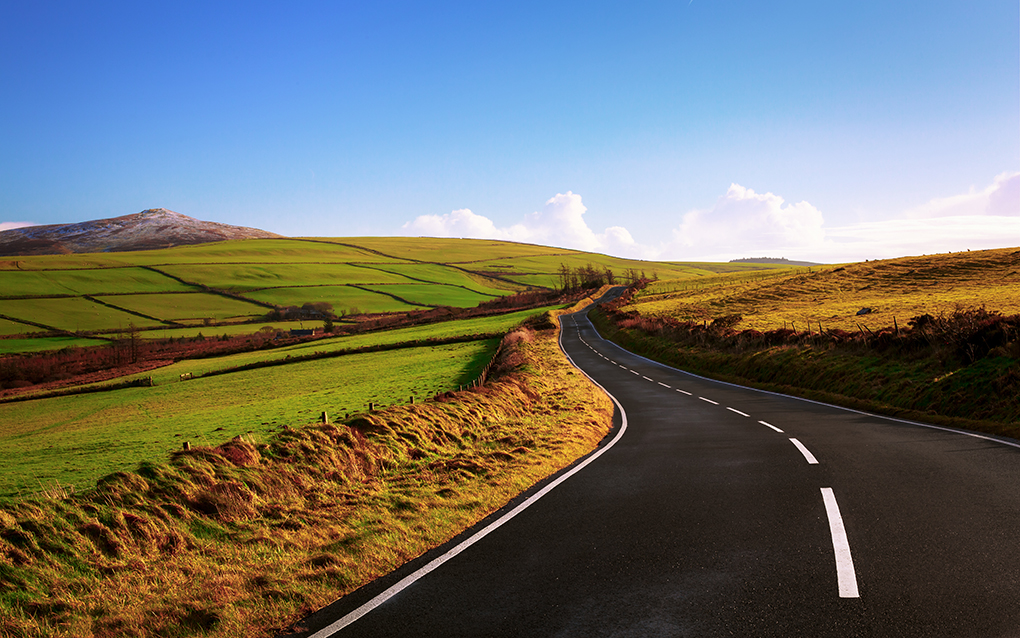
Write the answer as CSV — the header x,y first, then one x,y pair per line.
x,y
680,130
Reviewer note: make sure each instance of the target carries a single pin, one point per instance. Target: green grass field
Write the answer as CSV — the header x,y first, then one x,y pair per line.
x,y
24,346
241,277
446,251
434,294
77,439
441,330
73,314
8,327
343,298
440,274
229,329
363,274
86,282
181,307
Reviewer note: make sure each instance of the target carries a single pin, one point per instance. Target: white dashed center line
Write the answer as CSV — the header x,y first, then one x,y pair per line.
x,y
708,400
738,412
845,574
803,450
684,392
769,425
646,378
665,386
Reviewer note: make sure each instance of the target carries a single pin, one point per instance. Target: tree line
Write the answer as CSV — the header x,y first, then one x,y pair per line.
x,y
590,277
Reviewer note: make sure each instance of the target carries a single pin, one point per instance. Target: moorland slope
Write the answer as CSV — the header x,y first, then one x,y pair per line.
x,y
933,338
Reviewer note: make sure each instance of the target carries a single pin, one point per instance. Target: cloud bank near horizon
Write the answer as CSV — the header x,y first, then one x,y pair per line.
x,y
559,223
744,223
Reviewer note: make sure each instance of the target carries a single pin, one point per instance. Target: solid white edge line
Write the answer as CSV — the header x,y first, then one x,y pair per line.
x,y
1003,440
803,450
846,576
708,400
769,425
410,579
739,412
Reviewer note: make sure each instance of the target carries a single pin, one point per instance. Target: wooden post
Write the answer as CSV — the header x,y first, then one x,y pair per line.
x,y
186,446
412,399
371,406
325,418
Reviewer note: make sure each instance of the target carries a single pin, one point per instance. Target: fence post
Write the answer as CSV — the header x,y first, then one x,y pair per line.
x,y
186,446
325,418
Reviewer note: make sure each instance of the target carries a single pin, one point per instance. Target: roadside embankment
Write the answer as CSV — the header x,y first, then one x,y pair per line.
x,y
960,370
245,538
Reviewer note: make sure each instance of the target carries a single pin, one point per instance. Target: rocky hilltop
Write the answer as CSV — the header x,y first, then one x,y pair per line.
x,y
147,230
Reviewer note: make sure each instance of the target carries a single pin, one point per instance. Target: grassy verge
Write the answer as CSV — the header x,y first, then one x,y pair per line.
x,y
244,538
911,380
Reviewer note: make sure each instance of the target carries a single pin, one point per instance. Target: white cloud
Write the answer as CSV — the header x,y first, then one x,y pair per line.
x,y
459,223
902,237
743,223
1000,198
559,223
12,225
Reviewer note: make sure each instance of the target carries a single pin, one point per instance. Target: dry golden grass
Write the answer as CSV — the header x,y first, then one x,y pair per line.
x,y
895,289
243,539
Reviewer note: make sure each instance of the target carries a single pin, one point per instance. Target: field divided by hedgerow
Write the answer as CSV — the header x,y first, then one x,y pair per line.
x,y
179,307
74,314
354,275
73,440
349,299
98,281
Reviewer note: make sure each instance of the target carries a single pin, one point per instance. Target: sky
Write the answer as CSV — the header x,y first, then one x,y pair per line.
x,y
674,130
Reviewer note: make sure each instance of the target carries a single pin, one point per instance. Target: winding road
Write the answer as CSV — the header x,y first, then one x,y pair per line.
x,y
715,510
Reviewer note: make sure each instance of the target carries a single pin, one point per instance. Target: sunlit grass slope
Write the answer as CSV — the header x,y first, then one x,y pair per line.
x,y
833,295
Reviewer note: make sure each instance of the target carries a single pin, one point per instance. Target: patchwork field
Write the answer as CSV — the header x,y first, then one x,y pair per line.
x,y
186,307
74,314
74,440
895,290
347,299
354,275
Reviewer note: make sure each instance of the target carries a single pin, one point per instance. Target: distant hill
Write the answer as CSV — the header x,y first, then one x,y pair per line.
x,y
148,230
773,260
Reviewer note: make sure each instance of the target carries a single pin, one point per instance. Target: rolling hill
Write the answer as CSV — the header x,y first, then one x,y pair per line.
x,y
150,229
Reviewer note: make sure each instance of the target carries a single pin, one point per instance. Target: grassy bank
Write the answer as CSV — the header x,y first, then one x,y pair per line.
x,y
962,370
244,538
71,441
893,291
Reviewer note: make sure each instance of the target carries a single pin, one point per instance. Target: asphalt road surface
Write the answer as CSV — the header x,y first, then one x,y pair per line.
x,y
714,510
